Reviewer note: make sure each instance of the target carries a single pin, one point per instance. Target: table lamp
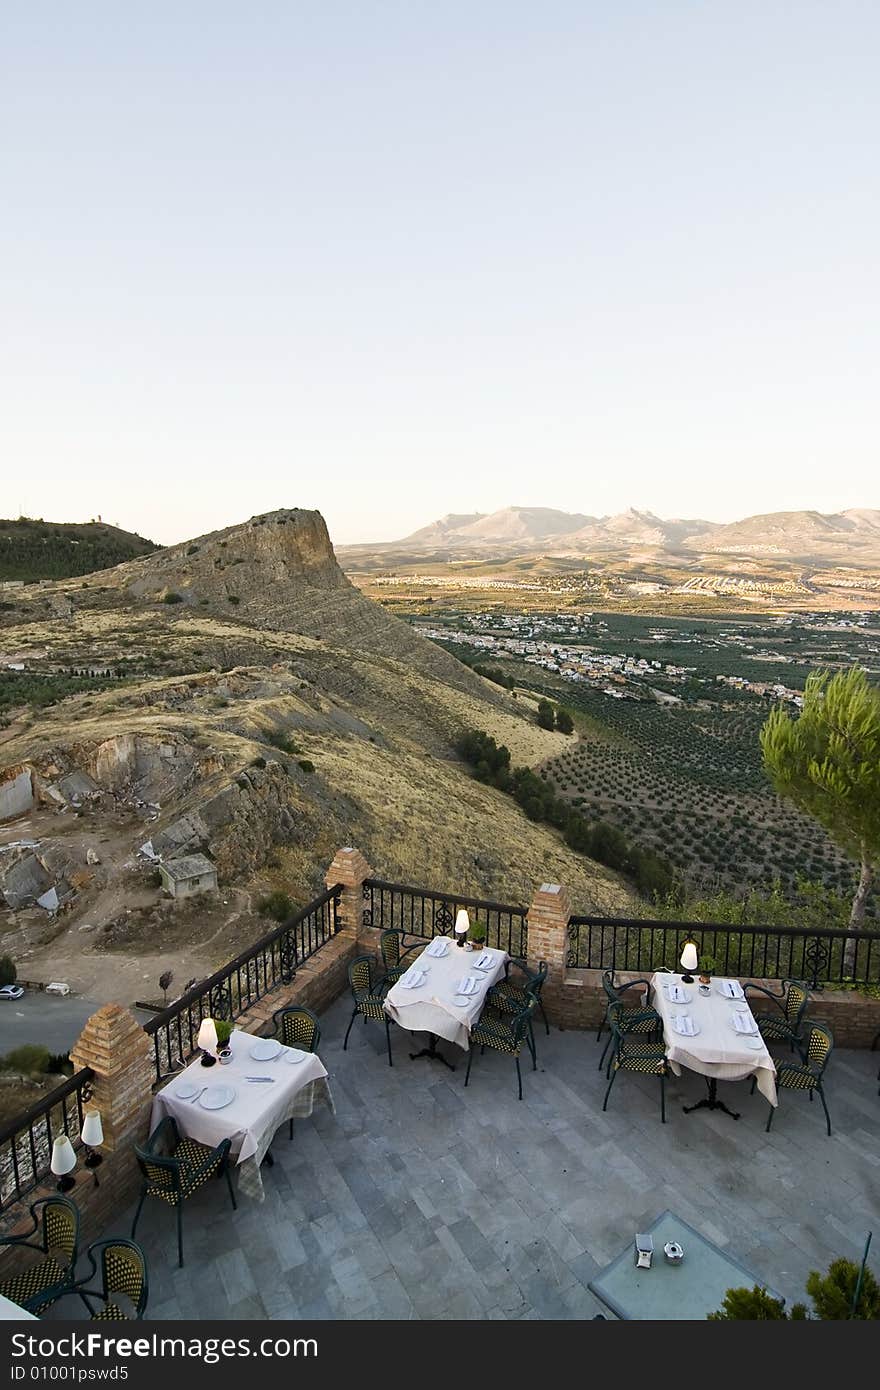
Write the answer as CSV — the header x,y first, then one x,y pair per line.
x,y
689,960
63,1162
207,1041
92,1135
462,926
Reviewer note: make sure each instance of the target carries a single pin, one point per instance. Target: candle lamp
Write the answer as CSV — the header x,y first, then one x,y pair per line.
x,y
92,1136
207,1041
462,926
689,960
63,1162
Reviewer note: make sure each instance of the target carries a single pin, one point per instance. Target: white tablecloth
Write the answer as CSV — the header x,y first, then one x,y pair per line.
x,y
434,1008
251,1120
716,1050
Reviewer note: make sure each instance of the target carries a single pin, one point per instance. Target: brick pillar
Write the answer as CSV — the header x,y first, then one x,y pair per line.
x,y
349,868
547,921
120,1054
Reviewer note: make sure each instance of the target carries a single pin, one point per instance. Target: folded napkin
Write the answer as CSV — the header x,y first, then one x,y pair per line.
x,y
744,1023
413,979
438,947
683,1023
676,993
732,988
484,962
469,985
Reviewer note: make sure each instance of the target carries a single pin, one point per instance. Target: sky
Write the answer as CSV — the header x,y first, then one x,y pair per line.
x,y
394,258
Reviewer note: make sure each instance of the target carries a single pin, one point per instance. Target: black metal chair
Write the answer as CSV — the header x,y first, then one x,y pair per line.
x,y
807,1076
368,996
173,1168
511,996
297,1027
787,1024
392,950
56,1219
504,1034
643,1020
123,1276
639,1055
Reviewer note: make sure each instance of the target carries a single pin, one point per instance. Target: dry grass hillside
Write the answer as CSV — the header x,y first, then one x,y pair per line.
x,y
263,733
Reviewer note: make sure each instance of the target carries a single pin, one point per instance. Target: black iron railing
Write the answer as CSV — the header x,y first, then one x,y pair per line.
x,y
820,957
424,913
239,984
26,1142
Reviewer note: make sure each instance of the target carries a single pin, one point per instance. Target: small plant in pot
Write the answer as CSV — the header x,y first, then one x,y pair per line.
x,y
478,936
224,1028
708,967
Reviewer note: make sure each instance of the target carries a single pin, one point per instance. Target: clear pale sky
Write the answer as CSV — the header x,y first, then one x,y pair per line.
x,y
393,258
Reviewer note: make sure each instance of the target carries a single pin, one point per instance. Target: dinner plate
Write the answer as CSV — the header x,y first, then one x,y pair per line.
x,y
754,1042
215,1097
186,1091
682,996
681,1032
294,1055
265,1050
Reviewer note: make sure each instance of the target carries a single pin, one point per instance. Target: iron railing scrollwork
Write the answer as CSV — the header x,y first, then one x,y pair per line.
x,y
26,1141
821,958
242,982
423,912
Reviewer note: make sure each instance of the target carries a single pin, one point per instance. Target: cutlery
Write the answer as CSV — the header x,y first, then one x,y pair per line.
x,y
270,1079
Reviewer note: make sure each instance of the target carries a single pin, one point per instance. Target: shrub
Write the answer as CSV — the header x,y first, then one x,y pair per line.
x,y
749,1305
306,765
564,722
172,597
276,904
282,741
258,762
233,598
546,715
8,972
833,1293
30,1058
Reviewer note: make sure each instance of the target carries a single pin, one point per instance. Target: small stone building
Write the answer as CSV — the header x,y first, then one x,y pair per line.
x,y
189,875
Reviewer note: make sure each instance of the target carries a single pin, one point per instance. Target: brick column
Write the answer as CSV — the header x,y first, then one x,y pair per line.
x,y
349,868
547,922
120,1054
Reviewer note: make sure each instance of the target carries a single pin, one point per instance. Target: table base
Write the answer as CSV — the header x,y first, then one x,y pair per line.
x,y
711,1101
431,1053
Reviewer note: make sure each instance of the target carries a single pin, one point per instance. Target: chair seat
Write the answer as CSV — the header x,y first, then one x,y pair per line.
x,y
43,1275
494,1031
632,1021
508,995
111,1311
795,1080
776,1029
370,1005
645,1057
193,1154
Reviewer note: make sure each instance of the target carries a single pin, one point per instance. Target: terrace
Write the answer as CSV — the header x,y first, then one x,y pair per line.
x,y
423,1199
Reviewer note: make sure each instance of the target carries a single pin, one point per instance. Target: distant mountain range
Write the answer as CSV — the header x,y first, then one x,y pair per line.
x,y
798,535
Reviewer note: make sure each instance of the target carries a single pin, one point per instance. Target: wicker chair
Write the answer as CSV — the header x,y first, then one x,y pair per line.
x,y
504,1033
174,1168
636,1054
123,1275
644,1021
392,950
511,996
787,1024
807,1076
37,1287
297,1027
367,995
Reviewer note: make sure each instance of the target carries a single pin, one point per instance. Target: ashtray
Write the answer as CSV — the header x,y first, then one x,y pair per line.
x,y
673,1252
224,1056
705,989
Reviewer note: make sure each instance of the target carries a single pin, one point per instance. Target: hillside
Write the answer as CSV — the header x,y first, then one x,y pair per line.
x,y
35,549
265,732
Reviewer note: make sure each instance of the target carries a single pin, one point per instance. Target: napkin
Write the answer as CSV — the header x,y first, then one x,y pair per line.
x,y
683,1023
413,979
484,962
676,994
744,1023
468,985
438,947
732,988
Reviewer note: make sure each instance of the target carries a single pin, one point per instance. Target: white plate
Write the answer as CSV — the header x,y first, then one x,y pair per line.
x,y
681,1032
682,996
754,1042
216,1097
264,1051
294,1056
741,1033
186,1091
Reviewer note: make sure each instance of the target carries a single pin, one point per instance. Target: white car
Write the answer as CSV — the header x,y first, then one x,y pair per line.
x,y
11,992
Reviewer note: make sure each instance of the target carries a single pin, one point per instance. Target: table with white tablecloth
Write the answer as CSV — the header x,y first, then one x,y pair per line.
x,y
298,1082
717,1050
434,1007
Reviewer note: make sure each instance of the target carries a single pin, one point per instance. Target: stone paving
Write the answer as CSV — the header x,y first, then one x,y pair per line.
x,y
421,1199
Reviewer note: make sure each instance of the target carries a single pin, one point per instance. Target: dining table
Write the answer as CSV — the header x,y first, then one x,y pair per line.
x,y
266,1085
701,1033
427,997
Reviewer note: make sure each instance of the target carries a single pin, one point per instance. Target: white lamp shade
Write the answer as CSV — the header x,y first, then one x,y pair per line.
x,y
462,923
207,1039
63,1156
689,956
92,1132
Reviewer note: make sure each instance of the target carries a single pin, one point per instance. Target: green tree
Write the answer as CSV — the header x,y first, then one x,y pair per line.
x,y
827,761
833,1293
546,714
564,721
8,971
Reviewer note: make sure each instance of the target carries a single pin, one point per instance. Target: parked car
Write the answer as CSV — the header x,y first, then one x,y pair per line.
x,y
11,992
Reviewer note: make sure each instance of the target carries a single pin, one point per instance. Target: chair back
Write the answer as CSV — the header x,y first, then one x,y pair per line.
x,y
299,1028
519,1024
123,1271
59,1226
159,1170
389,946
609,986
537,979
819,1046
360,975
797,996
